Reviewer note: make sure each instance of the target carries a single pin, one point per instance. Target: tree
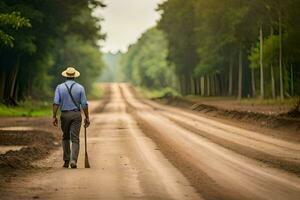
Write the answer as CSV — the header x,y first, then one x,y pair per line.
x,y
228,47
25,67
177,22
14,21
146,61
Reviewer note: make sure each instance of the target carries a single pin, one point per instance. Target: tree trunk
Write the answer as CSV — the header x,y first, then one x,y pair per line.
x,y
187,84
10,85
14,75
15,93
2,83
280,59
272,70
273,82
208,85
218,85
212,82
262,91
240,78
202,80
292,81
197,83
197,86
192,91
230,78
253,83
182,85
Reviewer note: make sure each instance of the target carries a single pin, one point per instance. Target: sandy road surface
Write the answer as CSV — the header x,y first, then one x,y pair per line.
x,y
139,149
124,165
234,175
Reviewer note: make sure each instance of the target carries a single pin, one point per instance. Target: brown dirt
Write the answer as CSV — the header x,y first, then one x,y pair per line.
x,y
128,165
184,158
38,144
204,185
253,106
276,121
124,165
276,161
263,119
98,107
270,160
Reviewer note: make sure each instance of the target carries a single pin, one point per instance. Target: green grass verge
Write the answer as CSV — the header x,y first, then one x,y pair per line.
x,y
27,109
245,101
290,101
157,93
32,108
96,92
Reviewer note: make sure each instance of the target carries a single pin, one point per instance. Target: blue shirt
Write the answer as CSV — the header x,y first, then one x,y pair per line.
x,y
63,99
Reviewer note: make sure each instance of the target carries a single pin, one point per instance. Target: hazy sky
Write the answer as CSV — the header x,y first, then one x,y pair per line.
x,y
125,21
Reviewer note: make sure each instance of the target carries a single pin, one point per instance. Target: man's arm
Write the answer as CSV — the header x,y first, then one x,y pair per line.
x,y
54,118
55,106
85,108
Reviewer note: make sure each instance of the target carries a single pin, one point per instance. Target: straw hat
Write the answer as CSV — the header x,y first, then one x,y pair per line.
x,y
70,72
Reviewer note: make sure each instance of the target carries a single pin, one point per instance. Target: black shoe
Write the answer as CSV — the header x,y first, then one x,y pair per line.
x,y
73,164
66,164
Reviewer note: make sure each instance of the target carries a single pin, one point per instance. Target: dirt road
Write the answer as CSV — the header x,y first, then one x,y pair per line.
x,y
139,149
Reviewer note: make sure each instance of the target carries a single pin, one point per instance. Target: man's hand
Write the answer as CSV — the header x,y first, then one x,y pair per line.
x,y
86,122
54,121
54,118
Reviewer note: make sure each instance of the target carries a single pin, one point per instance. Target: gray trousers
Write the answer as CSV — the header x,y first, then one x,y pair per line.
x,y
70,125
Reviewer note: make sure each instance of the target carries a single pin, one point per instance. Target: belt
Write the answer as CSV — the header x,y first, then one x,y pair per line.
x,y
75,110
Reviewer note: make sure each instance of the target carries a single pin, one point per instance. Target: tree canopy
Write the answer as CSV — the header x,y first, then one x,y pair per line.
x,y
145,64
225,47
40,38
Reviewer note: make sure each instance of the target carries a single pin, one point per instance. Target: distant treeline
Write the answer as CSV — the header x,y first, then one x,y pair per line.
x,y
221,48
38,39
111,71
145,63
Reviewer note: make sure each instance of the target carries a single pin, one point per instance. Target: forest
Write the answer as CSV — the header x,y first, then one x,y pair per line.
x,y
39,39
243,49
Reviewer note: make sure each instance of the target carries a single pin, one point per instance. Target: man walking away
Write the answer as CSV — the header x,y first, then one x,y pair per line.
x,y
70,97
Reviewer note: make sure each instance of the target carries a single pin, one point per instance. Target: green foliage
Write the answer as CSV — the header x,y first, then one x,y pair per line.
x,y
42,80
13,20
145,62
206,39
6,39
178,22
86,59
96,92
47,37
112,70
158,93
270,52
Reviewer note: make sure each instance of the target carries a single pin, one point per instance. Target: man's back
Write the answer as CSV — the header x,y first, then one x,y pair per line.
x,y
63,98
69,97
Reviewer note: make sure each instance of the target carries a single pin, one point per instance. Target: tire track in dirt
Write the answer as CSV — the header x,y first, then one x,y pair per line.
x,y
271,160
204,183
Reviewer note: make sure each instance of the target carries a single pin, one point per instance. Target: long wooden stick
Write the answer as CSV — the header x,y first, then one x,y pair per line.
x,y
86,158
